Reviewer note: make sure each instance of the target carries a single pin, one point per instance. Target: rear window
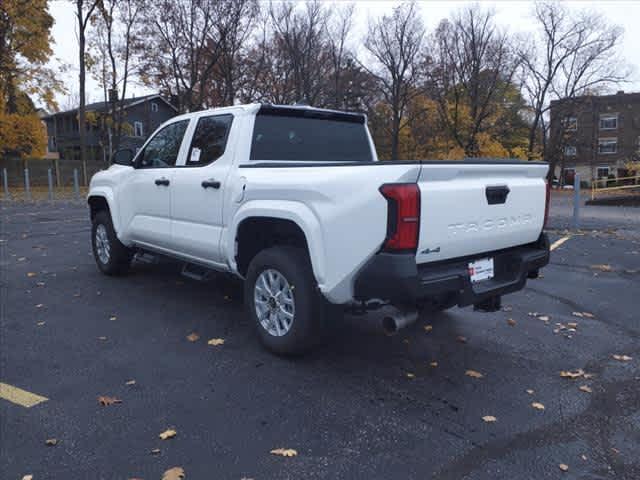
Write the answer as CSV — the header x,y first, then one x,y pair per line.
x,y
308,139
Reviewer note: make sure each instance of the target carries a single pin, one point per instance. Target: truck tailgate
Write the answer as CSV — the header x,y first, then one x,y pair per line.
x,y
471,208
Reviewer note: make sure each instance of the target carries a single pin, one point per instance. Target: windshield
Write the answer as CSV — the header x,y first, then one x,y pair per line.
x,y
309,139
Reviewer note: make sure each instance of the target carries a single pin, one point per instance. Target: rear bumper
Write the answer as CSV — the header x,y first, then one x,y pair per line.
x,y
396,277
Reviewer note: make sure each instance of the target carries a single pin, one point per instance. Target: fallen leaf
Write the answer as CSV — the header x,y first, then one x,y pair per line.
x,y
40,284
530,392
27,477
428,328
622,358
105,401
588,315
585,388
103,338
572,325
284,452
216,341
51,442
584,457
40,305
193,337
433,364
563,467
544,318
112,318
537,406
130,382
570,374
577,314
461,339
602,267
507,309
410,375
40,323
489,418
511,322
473,373
155,451
31,274
168,434
175,473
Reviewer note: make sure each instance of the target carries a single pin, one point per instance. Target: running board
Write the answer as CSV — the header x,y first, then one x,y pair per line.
x,y
195,272
146,257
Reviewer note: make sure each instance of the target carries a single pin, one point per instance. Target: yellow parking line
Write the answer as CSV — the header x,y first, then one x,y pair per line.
x,y
559,242
19,396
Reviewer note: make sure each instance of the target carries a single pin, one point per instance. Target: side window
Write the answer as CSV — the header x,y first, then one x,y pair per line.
x,y
162,150
209,139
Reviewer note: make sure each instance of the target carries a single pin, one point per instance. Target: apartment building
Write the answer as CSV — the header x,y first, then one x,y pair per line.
x,y
594,136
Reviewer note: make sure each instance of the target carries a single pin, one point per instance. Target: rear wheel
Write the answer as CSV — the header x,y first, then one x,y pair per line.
x,y
111,256
282,300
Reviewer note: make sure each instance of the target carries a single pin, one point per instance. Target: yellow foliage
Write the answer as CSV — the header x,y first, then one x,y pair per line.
x,y
22,135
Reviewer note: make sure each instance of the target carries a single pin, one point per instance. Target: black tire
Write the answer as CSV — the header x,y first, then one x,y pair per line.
x,y
308,325
119,257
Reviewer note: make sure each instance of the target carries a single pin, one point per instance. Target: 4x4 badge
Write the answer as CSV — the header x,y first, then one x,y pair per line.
x,y
430,250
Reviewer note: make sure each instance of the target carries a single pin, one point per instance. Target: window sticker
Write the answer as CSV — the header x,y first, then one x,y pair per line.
x,y
195,155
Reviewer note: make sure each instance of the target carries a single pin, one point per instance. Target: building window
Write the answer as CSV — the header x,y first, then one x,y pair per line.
x,y
138,131
602,172
570,151
571,124
607,145
154,107
609,121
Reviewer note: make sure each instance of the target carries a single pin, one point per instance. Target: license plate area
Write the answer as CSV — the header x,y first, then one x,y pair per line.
x,y
481,269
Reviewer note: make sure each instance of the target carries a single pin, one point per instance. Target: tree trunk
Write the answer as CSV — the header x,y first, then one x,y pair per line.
x,y
82,107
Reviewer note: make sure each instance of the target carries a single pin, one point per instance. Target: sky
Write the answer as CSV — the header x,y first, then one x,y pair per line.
x,y
514,15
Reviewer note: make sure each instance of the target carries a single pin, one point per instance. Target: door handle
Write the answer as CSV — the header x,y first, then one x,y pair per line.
x,y
162,181
210,183
497,195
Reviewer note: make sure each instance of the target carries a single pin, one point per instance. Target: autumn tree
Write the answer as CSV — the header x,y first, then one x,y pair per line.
x,y
188,39
471,65
394,42
25,48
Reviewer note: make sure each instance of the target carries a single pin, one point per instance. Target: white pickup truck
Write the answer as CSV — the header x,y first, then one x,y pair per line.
x,y
294,201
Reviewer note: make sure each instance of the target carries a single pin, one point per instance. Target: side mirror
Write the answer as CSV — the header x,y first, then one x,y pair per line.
x,y
123,157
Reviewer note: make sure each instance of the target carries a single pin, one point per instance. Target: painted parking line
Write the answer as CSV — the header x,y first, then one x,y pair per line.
x,y
559,242
19,396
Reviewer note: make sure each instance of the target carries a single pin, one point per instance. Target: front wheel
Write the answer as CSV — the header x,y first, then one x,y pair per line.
x,y
112,257
282,300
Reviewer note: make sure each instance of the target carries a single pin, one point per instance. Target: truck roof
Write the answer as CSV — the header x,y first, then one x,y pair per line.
x,y
285,110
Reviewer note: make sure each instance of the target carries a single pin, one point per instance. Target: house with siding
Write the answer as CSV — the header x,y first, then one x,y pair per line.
x,y
142,115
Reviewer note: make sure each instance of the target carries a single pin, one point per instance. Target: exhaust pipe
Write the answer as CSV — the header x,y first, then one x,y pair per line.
x,y
395,319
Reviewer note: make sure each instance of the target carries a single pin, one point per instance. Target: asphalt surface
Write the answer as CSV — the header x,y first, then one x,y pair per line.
x,y
349,409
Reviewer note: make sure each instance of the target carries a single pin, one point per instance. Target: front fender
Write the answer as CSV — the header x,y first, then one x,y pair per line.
x,y
296,212
107,193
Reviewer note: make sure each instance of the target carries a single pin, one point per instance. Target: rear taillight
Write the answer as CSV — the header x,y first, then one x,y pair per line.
x,y
546,204
403,217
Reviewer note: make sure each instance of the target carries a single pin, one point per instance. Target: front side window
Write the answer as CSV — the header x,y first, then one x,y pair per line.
x,y
209,139
571,123
303,137
608,122
162,150
607,145
603,172
138,129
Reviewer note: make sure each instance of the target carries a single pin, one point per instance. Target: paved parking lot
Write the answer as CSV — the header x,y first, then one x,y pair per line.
x,y
365,406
